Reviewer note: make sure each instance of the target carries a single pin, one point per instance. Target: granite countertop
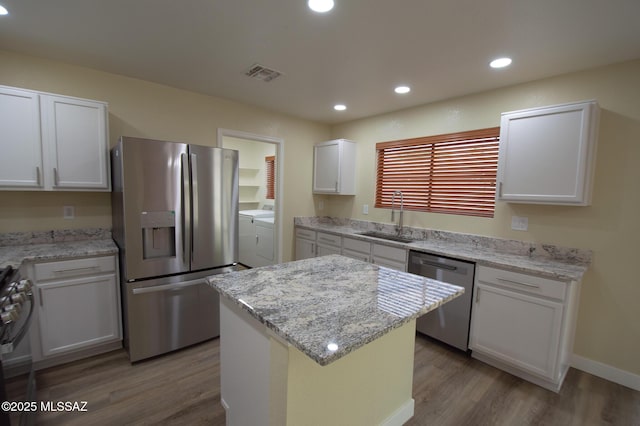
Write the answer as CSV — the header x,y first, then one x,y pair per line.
x,y
329,306
565,264
15,255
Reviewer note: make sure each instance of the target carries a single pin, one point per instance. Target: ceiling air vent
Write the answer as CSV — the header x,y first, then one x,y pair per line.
x,y
262,73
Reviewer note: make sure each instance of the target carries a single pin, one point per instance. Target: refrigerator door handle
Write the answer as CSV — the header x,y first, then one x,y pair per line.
x,y
185,210
168,287
194,196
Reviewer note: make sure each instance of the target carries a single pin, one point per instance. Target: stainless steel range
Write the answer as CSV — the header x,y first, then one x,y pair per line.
x,y
16,312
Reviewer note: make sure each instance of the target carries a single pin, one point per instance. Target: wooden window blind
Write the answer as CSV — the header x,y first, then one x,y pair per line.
x,y
453,173
271,176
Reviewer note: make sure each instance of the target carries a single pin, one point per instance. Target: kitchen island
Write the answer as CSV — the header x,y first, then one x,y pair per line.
x,y
328,340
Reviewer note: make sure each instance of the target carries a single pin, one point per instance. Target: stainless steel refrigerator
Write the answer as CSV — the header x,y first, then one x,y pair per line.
x,y
175,221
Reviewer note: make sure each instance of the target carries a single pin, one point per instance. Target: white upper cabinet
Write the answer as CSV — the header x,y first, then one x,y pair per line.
x,y
547,155
76,134
334,169
20,143
52,142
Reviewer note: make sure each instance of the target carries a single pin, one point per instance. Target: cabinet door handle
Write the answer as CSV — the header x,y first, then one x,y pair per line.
x,y
55,176
500,189
40,295
86,268
38,175
504,280
477,294
336,186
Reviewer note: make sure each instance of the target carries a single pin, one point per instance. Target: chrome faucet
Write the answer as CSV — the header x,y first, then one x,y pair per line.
x,y
393,202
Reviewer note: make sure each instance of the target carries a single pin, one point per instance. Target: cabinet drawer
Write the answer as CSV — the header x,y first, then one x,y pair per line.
x,y
522,282
393,253
356,245
306,234
334,240
74,268
388,263
365,257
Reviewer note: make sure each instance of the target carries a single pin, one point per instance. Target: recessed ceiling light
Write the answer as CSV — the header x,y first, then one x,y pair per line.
x,y
320,6
3,11
402,89
339,107
500,63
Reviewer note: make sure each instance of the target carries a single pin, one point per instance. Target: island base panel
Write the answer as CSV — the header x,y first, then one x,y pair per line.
x,y
272,379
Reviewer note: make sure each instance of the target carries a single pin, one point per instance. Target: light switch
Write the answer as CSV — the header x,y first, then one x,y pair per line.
x,y
519,223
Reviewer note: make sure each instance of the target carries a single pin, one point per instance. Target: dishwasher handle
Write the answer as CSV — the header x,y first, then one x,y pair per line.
x,y
435,264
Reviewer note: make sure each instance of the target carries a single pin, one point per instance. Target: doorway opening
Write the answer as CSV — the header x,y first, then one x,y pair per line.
x,y
260,195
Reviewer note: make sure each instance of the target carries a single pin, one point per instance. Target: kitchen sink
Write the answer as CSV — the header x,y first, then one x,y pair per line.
x,y
385,236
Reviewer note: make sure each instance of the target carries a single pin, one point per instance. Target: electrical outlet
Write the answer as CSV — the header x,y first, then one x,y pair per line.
x,y
69,212
519,223
320,205
365,209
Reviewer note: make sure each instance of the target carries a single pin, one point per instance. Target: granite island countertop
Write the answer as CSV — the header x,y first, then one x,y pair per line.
x,y
17,254
546,260
329,306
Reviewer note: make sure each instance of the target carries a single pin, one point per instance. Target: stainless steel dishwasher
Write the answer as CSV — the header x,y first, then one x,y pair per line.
x,y
450,322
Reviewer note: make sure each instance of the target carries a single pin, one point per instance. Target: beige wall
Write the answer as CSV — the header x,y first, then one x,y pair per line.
x,y
252,155
608,323
144,109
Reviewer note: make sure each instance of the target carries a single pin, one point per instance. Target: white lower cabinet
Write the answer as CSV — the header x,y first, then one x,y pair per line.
x,y
524,324
305,244
390,257
77,306
356,249
328,244
317,243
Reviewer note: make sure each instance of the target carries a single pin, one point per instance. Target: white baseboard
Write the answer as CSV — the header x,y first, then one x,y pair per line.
x,y
606,372
401,415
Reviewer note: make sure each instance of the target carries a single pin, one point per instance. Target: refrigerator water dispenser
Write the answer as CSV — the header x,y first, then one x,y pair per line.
x,y
158,234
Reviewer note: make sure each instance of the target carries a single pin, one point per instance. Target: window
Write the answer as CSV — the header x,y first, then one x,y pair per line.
x,y
453,173
271,176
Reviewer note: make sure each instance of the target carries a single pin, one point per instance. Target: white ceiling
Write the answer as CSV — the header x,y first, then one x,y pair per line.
x,y
354,54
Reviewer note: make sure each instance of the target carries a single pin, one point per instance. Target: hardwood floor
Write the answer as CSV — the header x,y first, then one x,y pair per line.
x,y
449,388
180,388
